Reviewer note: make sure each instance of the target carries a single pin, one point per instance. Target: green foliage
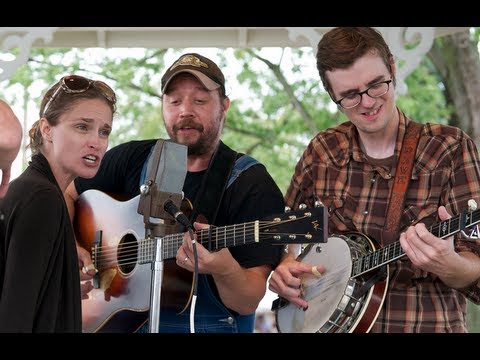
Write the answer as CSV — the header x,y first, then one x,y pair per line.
x,y
476,35
282,107
424,101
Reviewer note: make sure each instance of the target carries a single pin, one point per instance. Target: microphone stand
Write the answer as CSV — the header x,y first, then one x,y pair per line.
x,y
155,231
155,296
166,173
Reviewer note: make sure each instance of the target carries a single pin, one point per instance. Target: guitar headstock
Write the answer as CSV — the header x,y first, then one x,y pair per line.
x,y
303,226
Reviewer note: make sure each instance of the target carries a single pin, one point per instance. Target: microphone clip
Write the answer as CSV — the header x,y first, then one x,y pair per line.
x,y
177,214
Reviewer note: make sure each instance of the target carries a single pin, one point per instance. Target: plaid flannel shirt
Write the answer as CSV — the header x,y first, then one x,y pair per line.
x,y
356,190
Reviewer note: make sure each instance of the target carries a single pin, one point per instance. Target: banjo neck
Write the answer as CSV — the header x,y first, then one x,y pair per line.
x,y
394,251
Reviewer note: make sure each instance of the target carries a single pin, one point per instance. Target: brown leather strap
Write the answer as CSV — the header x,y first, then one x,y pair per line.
x,y
402,177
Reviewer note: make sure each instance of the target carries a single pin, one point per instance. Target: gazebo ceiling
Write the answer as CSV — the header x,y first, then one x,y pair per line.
x,y
24,38
181,37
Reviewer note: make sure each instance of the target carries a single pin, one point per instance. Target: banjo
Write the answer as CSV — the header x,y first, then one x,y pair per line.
x,y
348,297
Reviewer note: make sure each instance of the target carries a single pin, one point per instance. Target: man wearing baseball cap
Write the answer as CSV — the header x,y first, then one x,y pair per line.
x,y
225,187
204,69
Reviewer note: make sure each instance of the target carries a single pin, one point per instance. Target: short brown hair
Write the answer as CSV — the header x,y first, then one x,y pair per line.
x,y
342,46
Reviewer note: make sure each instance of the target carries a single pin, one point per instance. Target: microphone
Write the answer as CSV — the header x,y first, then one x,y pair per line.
x,y
162,180
170,207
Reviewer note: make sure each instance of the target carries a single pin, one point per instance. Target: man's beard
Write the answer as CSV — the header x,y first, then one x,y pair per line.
x,y
208,137
198,148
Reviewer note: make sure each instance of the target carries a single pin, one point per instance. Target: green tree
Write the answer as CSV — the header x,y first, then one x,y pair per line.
x,y
273,122
283,107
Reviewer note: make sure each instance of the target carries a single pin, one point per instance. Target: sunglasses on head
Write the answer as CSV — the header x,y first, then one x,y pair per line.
x,y
75,84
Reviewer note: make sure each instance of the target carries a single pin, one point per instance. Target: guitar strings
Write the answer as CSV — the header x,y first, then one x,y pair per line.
x,y
106,256
177,238
395,251
129,253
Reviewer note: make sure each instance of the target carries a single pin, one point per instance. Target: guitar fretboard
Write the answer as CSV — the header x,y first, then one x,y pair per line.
x,y
394,251
214,238
309,225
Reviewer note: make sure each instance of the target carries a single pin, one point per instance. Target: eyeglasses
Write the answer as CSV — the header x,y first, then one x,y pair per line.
x,y
75,84
374,91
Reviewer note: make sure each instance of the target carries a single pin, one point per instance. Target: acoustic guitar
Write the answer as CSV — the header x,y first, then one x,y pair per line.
x,y
114,233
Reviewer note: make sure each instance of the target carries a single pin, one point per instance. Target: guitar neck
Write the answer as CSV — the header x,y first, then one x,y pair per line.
x,y
214,238
394,251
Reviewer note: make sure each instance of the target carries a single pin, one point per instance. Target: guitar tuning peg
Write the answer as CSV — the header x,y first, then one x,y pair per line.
x,y
472,205
302,207
288,209
318,203
144,189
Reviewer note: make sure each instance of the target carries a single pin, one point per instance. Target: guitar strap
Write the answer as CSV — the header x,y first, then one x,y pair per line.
x,y
403,174
402,179
207,202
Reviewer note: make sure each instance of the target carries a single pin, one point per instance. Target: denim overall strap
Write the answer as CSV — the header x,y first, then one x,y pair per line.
x,y
241,164
210,314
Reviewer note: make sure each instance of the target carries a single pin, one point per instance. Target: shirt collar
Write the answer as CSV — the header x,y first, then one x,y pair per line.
x,y
357,153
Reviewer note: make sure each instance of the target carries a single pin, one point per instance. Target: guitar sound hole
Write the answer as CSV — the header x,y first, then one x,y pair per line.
x,y
127,253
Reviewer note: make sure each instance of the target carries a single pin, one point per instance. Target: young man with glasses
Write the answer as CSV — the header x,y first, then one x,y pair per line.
x,y
352,169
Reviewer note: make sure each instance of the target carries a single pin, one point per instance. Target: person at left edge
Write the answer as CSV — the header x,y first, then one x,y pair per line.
x,y
10,141
39,275
232,281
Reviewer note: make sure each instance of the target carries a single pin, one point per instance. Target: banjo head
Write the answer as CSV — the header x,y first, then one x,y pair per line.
x,y
323,294
337,301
